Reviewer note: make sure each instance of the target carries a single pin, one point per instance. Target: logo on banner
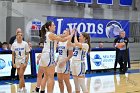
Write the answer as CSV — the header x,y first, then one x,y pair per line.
x,y
2,64
113,28
36,25
33,28
97,60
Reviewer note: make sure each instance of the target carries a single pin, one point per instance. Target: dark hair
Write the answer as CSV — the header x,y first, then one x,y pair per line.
x,y
100,42
42,33
40,43
87,39
49,23
72,40
4,43
44,29
0,44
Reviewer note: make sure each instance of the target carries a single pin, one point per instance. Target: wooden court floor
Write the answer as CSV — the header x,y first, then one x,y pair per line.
x,y
128,83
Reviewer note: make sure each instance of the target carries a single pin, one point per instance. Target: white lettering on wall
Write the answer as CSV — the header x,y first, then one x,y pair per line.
x,y
90,28
59,25
72,25
80,26
100,29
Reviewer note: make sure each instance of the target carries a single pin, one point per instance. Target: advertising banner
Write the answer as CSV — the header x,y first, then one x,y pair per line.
x,y
97,28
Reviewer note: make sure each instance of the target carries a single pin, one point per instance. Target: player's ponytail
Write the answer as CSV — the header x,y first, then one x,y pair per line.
x,y
43,31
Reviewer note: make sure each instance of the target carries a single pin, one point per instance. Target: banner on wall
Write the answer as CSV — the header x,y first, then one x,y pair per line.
x,y
108,2
102,59
84,1
97,28
6,65
63,0
33,28
125,2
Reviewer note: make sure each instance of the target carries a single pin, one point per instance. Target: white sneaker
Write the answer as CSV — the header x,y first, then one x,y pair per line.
x,y
24,90
19,90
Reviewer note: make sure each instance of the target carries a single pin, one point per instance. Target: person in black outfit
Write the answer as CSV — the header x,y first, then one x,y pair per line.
x,y
13,70
122,53
117,51
12,40
0,45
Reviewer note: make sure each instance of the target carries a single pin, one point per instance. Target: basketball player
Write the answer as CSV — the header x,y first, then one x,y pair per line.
x,y
63,64
20,54
47,63
78,61
13,70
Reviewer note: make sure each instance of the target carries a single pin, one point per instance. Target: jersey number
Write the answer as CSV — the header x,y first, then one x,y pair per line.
x,y
75,53
19,53
60,52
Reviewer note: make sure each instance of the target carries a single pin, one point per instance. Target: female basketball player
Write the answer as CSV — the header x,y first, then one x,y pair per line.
x,y
47,63
78,61
20,53
63,64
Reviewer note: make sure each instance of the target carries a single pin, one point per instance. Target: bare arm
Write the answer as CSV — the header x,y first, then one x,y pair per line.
x,y
10,46
77,43
70,54
13,58
57,38
69,43
27,57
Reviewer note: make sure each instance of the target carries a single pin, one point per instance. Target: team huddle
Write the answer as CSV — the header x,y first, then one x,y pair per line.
x,y
69,47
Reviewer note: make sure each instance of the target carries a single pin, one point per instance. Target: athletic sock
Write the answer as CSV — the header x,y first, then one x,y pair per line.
x,y
42,91
37,89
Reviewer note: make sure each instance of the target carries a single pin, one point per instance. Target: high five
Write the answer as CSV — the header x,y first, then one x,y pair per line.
x,y
47,63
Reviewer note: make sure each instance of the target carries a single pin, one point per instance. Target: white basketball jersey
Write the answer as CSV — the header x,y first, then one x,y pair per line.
x,y
80,53
48,44
62,49
20,50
